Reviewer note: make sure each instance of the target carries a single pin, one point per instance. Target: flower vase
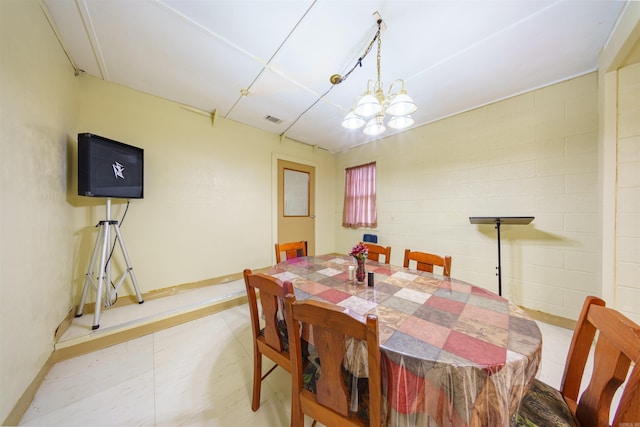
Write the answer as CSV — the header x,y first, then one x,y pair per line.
x,y
360,271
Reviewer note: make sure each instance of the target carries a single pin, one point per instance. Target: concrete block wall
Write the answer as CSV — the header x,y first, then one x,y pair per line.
x,y
531,155
628,193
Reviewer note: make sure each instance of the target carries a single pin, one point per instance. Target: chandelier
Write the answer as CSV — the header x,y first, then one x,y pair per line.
x,y
371,108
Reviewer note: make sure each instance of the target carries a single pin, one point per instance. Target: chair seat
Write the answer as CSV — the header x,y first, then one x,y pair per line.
x,y
311,373
543,406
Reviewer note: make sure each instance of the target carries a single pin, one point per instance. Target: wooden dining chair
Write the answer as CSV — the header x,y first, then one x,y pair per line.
x,y
323,388
291,250
271,341
426,261
376,250
617,346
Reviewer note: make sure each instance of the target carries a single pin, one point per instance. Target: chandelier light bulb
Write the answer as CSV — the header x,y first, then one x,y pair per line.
x,y
401,105
375,126
401,122
353,121
367,106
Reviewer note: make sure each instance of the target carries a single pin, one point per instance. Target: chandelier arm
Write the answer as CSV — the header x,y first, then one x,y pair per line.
x,y
390,91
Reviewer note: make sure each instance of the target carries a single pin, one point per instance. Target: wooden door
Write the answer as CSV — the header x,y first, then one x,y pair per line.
x,y
296,203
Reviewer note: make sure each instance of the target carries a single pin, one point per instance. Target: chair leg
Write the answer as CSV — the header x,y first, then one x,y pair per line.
x,y
257,380
297,417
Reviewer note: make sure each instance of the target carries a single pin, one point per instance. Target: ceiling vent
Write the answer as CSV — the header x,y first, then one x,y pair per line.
x,y
273,119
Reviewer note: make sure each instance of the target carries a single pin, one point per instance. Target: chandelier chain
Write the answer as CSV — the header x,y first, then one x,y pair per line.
x,y
379,57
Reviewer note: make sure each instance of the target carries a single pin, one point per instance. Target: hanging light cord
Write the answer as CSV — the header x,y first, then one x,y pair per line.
x,y
337,78
305,111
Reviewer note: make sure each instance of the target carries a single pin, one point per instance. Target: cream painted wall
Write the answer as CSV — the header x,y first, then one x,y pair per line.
x,y
534,154
38,98
207,208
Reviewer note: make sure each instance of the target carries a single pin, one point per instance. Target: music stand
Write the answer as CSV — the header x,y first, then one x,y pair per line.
x,y
499,220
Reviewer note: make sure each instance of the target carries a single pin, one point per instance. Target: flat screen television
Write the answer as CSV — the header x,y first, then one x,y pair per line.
x,y
108,168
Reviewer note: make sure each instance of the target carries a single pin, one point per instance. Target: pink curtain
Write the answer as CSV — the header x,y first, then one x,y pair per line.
x,y
360,197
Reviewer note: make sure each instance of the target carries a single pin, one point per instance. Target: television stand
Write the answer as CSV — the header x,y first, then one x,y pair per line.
x,y
103,241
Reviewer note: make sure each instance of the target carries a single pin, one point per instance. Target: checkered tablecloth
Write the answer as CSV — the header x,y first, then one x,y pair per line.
x,y
457,354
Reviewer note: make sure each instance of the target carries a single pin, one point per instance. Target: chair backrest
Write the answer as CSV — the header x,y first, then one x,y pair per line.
x,y
271,291
291,250
330,327
376,250
426,261
618,345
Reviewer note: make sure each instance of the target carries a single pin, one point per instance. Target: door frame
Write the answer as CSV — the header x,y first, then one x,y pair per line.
x,y
275,156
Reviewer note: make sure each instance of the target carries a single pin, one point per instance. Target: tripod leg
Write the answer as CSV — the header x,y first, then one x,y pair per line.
x,y
128,262
88,277
101,272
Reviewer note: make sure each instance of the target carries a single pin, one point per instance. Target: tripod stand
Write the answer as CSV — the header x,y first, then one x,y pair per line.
x,y
103,242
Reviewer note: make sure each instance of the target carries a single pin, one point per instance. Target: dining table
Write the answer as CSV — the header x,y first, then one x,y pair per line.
x,y
454,354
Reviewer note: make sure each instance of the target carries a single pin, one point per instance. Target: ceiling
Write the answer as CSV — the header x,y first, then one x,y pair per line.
x,y
247,60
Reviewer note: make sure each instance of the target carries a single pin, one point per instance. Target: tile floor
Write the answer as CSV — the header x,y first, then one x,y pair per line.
x,y
195,374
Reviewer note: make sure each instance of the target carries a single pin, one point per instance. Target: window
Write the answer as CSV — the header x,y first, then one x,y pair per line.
x,y
360,197
296,193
